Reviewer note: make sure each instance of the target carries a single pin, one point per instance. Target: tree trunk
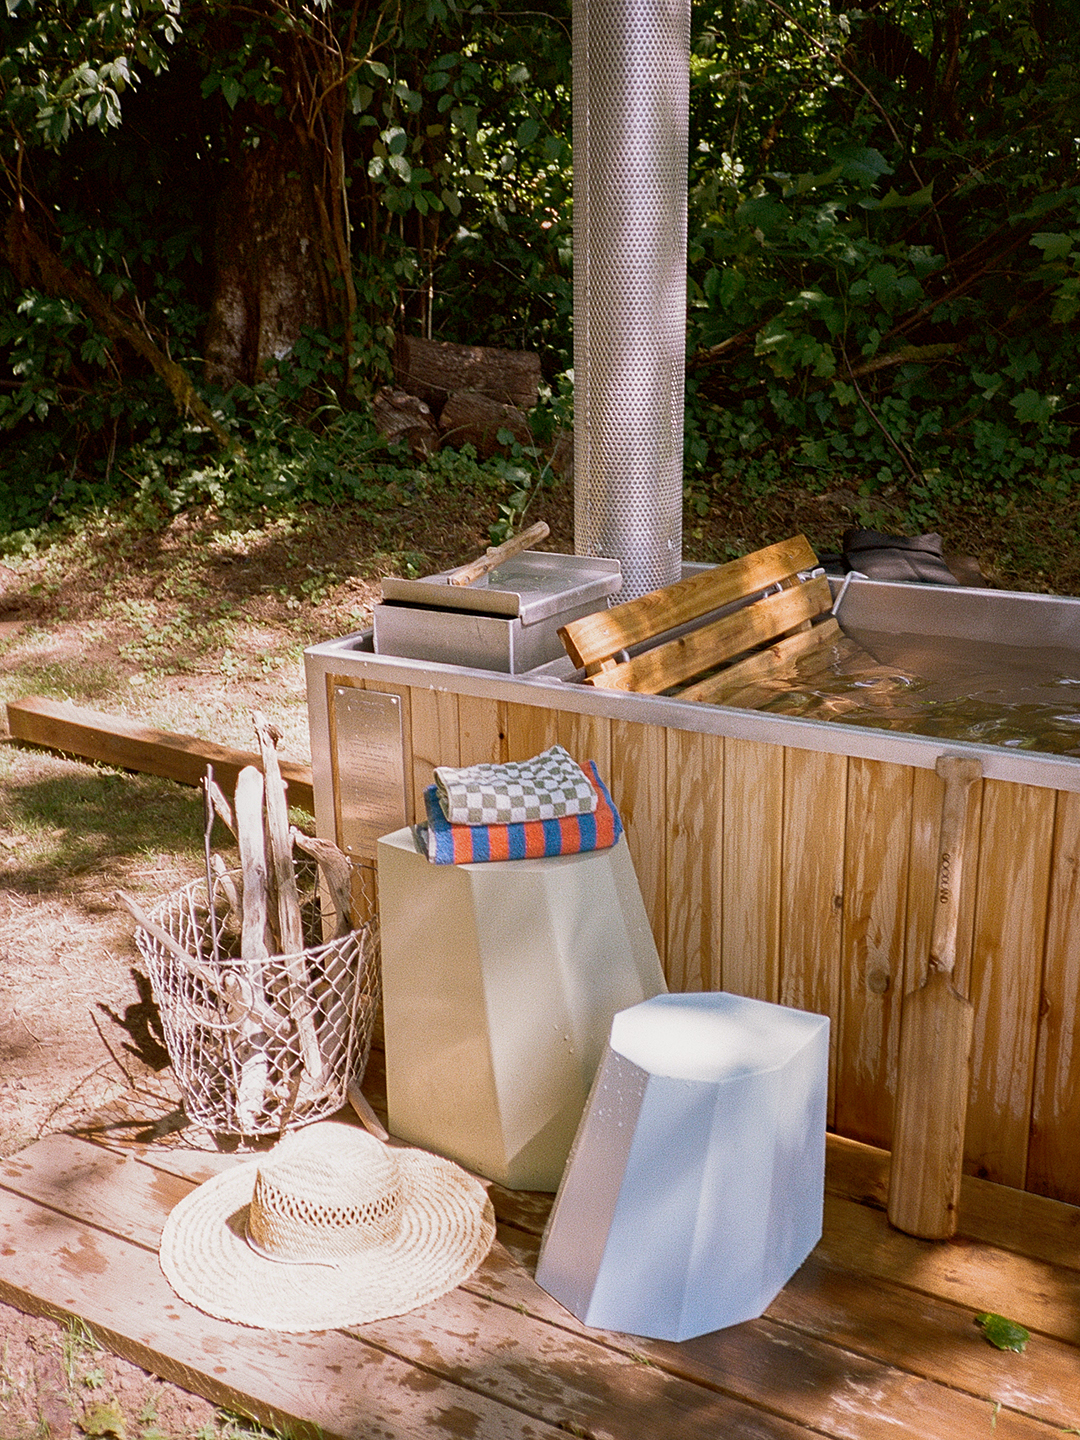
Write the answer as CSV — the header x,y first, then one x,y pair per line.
x,y
270,282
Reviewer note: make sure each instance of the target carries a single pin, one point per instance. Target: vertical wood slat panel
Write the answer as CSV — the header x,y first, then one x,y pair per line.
x,y
1006,975
530,730
812,883
695,796
481,730
639,790
872,956
435,738
752,859
1054,1152
587,737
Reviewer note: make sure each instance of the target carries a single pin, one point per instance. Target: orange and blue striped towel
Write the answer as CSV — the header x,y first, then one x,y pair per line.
x,y
446,844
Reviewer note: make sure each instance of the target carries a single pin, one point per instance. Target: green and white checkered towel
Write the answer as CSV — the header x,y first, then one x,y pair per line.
x,y
546,787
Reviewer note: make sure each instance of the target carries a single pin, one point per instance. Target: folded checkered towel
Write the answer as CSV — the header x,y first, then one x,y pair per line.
x,y
546,787
446,844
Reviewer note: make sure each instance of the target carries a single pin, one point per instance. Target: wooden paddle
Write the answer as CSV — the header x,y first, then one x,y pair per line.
x,y
936,1029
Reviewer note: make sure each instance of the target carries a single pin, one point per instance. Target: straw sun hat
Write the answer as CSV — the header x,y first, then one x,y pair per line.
x,y
332,1228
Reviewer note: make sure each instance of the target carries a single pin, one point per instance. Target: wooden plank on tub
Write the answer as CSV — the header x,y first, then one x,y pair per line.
x,y
434,735
481,730
676,661
812,889
752,861
1006,975
1054,1153
530,730
587,737
639,790
872,961
776,661
695,801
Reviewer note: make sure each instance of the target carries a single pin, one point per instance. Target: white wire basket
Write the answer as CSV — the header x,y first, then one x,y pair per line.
x,y
260,1047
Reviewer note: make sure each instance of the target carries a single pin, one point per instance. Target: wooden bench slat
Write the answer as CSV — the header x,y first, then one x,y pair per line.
x,y
716,689
595,638
682,659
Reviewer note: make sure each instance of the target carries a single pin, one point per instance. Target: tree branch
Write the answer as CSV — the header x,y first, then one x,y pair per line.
x,y
28,252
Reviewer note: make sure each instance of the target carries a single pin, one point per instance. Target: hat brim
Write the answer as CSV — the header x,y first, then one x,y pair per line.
x,y
448,1228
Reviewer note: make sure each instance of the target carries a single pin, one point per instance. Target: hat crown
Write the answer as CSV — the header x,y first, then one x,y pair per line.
x,y
326,1206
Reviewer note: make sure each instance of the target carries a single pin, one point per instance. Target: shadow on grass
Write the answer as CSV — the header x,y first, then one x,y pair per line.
x,y
86,819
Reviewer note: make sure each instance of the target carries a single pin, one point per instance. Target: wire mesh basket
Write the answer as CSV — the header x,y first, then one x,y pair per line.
x,y
259,1046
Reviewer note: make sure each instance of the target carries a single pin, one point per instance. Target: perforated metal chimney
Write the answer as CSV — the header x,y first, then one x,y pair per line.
x,y
631,108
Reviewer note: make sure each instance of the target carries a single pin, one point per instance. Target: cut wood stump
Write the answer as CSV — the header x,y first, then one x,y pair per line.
x,y
435,369
471,418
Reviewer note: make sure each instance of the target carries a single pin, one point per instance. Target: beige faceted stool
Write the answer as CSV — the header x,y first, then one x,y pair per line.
x,y
500,981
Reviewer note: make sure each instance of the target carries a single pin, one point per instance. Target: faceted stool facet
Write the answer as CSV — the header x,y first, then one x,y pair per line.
x,y
500,982
695,1186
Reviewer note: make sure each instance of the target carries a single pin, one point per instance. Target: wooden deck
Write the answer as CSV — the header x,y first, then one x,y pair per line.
x,y
874,1337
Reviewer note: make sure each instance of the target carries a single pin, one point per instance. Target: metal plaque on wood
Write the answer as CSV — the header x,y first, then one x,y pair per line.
x,y
369,768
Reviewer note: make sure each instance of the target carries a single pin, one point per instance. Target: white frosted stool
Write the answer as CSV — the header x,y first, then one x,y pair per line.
x,y
500,981
695,1186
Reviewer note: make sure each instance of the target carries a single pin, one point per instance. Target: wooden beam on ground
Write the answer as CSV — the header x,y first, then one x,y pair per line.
x,y
130,745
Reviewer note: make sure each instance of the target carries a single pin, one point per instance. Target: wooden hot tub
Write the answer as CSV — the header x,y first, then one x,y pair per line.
x,y
787,859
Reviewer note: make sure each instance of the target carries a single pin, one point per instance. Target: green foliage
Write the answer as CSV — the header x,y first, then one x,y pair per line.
x,y
883,274
884,241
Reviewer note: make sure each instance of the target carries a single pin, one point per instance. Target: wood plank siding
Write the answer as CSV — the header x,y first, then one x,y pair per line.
x,y
807,878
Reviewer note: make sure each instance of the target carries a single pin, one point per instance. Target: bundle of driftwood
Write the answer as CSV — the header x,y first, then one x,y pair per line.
x,y
267,990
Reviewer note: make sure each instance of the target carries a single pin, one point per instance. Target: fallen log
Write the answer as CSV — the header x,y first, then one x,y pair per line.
x,y
129,745
472,418
435,369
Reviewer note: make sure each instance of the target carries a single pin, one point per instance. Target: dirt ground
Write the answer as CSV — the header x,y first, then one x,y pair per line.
x,y
191,629
190,626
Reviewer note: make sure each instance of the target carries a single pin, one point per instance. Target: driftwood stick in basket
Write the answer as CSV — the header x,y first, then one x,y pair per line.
x,y
336,871
290,924
254,1068
249,834
208,825
235,1005
227,885
222,808
364,1113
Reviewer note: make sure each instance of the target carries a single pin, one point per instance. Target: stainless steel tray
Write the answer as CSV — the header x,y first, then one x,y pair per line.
x,y
531,587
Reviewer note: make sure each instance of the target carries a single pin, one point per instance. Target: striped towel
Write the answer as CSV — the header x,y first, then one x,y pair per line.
x,y
446,844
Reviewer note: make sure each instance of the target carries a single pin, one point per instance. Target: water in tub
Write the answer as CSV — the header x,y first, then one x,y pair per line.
x,y
1020,697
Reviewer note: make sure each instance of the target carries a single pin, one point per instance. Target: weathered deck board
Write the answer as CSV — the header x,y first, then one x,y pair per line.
x,y
875,1336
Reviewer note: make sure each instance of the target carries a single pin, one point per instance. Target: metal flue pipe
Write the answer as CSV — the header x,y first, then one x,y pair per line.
x,y
631,123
